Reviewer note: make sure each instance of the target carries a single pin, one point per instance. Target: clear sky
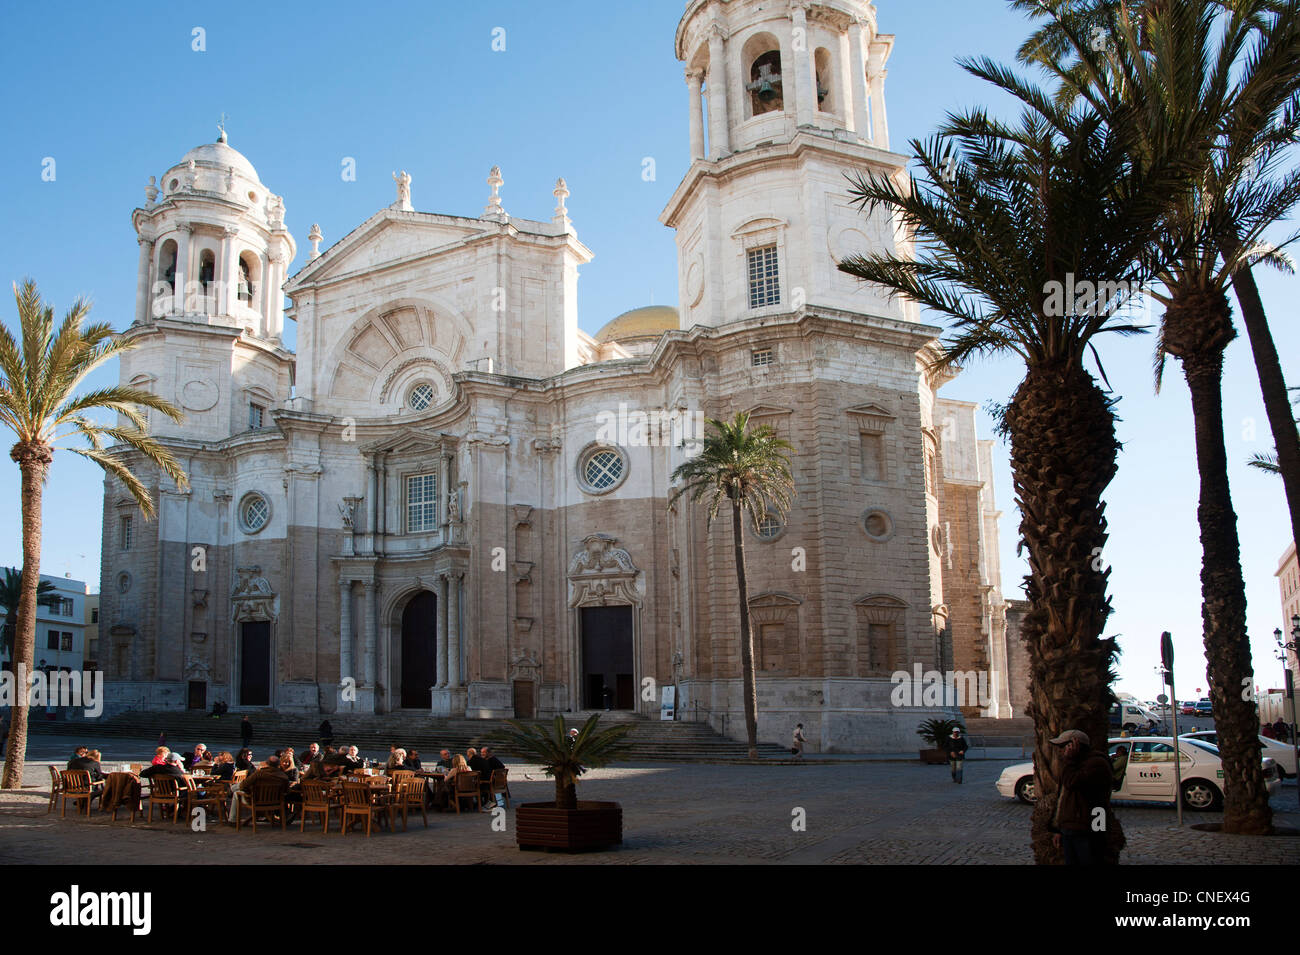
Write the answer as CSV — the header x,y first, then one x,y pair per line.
x,y
587,90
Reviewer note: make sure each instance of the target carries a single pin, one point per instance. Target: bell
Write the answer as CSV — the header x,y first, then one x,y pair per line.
x,y
765,92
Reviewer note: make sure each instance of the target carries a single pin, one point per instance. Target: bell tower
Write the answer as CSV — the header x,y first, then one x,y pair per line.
x,y
209,311
794,95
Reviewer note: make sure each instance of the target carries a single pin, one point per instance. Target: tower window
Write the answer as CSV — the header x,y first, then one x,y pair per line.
x,y
124,533
764,282
245,289
421,503
761,357
207,270
255,413
764,84
421,396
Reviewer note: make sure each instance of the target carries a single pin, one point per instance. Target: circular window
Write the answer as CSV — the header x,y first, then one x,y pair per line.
x,y
769,528
878,525
174,183
254,512
936,540
602,469
420,397
252,197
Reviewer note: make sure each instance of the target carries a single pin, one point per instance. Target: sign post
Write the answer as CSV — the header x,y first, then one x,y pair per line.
x,y
1167,663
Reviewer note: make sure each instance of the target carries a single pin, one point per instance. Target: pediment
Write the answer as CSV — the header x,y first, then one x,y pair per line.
x,y
388,236
767,411
870,411
410,441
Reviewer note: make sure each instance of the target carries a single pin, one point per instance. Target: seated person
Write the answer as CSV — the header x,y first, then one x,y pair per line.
x,y
351,760
413,760
474,760
490,764
288,766
445,761
270,771
458,766
200,755
311,754
244,761
160,755
396,760
1118,767
83,760
223,767
172,767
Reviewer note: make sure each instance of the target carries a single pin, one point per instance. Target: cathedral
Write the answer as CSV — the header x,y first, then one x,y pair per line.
x,y
450,499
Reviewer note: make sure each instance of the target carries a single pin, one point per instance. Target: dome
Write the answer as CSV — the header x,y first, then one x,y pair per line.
x,y
650,321
222,156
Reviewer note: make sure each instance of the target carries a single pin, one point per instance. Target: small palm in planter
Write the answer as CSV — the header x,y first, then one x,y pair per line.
x,y
936,732
567,823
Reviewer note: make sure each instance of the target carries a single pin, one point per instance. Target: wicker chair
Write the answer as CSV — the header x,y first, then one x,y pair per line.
x,y
76,786
410,795
56,789
466,787
316,798
266,798
500,784
165,791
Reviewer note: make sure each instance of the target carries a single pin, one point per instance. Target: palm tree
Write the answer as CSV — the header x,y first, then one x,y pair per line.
x,y
566,759
1215,80
1268,462
751,471
10,591
1005,240
40,373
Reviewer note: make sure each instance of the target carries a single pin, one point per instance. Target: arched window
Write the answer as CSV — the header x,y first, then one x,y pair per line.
x,y
167,263
207,274
247,274
825,80
760,57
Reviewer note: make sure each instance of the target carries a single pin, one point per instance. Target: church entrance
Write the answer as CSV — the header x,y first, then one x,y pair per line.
x,y
607,671
255,663
419,649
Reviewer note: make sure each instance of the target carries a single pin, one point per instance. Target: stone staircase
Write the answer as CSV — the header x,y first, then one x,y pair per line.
x,y
373,734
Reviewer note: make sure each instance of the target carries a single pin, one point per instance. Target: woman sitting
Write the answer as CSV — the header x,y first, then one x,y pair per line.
x,y
223,767
244,761
160,756
288,766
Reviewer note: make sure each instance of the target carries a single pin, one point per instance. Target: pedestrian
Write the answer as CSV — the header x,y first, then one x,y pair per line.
x,y
1281,731
1082,799
246,731
797,739
326,732
956,753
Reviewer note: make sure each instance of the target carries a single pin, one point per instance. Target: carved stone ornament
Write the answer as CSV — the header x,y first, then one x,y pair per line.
x,y
602,573
253,598
525,667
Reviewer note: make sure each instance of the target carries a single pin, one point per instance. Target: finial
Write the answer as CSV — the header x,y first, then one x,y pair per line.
x,y
560,192
314,237
403,191
493,209
221,127
151,192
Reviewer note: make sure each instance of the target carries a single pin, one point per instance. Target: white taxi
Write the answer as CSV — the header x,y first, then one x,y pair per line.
x,y
1143,769
1281,753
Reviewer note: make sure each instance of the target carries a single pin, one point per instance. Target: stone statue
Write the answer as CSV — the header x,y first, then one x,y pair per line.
x,y
191,175
403,181
453,506
347,511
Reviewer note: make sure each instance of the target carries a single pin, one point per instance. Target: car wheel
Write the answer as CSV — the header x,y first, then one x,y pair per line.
x,y
1200,795
1025,791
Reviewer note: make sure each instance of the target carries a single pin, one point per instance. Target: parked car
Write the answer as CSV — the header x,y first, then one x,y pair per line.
x,y
1188,708
1133,718
1204,707
1144,772
1281,753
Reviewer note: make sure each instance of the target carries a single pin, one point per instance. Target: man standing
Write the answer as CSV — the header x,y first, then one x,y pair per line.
x,y
1082,801
956,753
246,731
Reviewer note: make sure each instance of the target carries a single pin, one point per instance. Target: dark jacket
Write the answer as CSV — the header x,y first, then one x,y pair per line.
x,y
163,769
224,771
1085,785
490,765
90,765
477,765
956,747
263,774
245,730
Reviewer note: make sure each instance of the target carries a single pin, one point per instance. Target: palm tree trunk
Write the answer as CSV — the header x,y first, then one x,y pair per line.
x,y
1223,591
566,793
748,687
1063,456
1272,385
33,462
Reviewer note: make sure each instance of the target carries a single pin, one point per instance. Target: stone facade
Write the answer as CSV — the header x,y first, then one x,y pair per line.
x,y
451,498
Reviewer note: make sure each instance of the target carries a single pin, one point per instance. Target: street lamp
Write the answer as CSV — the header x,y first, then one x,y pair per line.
x,y
1283,648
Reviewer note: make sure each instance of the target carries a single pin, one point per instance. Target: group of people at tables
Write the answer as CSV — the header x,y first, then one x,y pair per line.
x,y
328,763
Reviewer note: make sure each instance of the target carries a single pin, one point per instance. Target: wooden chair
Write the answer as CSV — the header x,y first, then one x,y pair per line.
x,y
410,795
500,784
165,791
137,768
316,798
76,786
240,774
131,795
214,797
398,776
266,799
361,801
466,787
56,789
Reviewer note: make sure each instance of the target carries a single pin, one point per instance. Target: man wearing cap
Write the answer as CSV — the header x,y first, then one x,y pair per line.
x,y
1085,787
956,753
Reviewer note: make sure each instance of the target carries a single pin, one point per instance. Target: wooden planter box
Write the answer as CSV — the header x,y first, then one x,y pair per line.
x,y
934,757
593,825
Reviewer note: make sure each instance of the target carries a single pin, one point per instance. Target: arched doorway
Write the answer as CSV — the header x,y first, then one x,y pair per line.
x,y
419,650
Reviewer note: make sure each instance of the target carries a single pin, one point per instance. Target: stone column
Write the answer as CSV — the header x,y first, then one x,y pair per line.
x,y
444,488
804,82
274,279
453,630
694,78
372,503
381,505
368,624
345,630
441,661
143,287
719,132
229,272
182,266
857,116
879,121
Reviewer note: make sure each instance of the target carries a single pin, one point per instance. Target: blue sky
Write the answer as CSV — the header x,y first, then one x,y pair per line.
x,y
585,89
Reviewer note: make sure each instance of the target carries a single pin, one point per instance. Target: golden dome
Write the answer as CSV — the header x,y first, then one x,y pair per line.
x,y
648,322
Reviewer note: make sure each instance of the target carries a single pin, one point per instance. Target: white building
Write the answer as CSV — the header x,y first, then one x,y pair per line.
x,y
60,626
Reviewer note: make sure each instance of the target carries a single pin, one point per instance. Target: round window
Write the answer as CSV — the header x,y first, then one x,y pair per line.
x,y
602,469
420,397
254,512
936,540
769,528
878,525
